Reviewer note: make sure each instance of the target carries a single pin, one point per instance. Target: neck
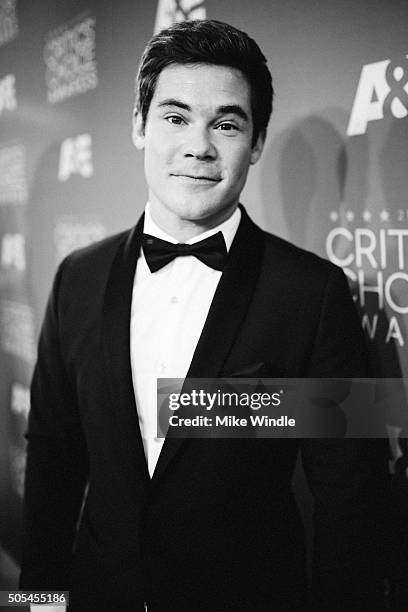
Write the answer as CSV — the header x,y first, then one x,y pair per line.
x,y
184,229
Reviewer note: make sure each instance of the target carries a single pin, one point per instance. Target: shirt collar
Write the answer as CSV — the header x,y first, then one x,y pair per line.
x,y
228,229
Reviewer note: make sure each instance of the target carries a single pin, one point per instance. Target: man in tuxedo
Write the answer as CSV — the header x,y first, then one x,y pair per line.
x,y
196,289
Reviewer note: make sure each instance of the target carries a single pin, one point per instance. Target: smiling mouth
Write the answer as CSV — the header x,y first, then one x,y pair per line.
x,y
198,178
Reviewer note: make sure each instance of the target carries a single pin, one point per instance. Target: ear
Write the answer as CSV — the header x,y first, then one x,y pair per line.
x,y
138,136
258,147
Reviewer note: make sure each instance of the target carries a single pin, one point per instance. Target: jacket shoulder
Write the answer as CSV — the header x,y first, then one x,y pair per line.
x,y
82,276
296,260
97,252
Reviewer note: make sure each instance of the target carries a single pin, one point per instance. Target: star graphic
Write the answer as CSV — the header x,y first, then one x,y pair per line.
x,y
366,215
384,215
334,215
349,215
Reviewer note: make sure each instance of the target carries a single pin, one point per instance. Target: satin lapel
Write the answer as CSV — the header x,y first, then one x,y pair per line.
x,y
116,338
228,310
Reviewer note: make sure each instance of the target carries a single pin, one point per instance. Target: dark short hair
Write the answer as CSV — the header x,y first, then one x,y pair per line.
x,y
207,42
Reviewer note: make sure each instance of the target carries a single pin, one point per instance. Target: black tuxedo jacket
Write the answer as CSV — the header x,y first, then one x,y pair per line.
x,y
217,527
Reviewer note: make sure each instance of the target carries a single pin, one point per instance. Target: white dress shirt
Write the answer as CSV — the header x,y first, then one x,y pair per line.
x,y
169,309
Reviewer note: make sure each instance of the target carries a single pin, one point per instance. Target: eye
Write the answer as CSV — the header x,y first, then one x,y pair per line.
x,y
174,119
227,126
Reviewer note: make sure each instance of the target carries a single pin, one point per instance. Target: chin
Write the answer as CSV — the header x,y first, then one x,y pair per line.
x,y
192,209
202,213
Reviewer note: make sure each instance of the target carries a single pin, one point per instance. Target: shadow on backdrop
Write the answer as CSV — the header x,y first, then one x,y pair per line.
x,y
318,171
394,176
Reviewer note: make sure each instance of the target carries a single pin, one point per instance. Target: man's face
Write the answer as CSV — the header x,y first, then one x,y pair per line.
x,y
198,145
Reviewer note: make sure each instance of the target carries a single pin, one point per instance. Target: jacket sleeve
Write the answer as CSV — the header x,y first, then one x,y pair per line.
x,y
348,477
57,465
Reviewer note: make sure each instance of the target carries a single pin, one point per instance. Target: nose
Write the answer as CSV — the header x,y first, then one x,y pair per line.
x,y
199,144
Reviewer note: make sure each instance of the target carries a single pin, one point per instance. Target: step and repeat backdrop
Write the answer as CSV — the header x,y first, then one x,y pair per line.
x,y
333,177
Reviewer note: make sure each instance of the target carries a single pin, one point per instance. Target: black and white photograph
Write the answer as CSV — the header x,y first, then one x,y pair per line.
x,y
203,306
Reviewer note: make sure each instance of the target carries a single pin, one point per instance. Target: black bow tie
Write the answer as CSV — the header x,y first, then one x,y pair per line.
x,y
211,251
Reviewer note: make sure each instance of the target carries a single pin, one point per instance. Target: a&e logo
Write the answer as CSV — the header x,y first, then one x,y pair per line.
x,y
13,252
382,89
173,11
8,99
76,157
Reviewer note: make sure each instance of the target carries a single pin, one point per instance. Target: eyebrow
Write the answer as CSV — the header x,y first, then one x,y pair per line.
x,y
174,102
226,109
